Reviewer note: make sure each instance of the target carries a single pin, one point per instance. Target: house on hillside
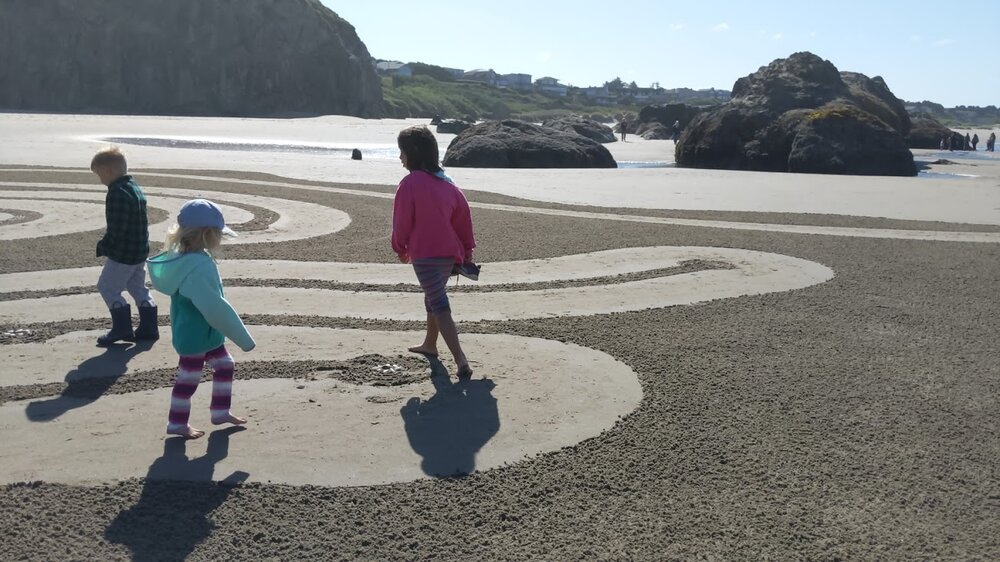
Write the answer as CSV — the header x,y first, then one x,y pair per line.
x,y
718,95
393,68
650,95
599,95
456,73
488,77
514,81
550,86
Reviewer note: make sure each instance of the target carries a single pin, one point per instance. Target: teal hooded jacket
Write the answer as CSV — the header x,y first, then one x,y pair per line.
x,y
200,316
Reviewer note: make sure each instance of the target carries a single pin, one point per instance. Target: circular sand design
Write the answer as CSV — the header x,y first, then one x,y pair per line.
x,y
752,273
69,212
296,219
528,396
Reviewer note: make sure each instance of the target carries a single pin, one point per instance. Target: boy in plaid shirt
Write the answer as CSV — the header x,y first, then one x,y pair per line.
x,y
126,246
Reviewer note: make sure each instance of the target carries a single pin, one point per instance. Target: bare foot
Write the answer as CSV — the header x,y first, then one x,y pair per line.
x,y
186,432
235,420
465,372
423,350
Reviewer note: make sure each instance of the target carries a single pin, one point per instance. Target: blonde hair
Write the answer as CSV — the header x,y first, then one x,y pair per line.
x,y
110,156
187,239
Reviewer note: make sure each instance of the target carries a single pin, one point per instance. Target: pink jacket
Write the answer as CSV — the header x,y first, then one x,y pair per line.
x,y
431,219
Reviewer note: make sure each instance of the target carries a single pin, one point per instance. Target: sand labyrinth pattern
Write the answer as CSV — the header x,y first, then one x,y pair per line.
x,y
534,396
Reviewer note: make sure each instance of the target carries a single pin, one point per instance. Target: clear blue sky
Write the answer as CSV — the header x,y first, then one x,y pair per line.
x,y
944,51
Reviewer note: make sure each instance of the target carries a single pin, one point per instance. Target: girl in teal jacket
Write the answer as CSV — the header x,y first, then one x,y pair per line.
x,y
200,316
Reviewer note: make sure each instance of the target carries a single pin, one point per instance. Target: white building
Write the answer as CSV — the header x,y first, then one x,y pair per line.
x,y
393,68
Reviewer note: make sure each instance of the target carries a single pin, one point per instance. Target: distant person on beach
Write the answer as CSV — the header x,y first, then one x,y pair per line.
x,y
624,128
675,131
125,246
991,143
975,141
200,316
968,142
949,142
432,230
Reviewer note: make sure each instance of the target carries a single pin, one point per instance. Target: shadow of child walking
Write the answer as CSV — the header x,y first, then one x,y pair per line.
x,y
449,428
88,382
171,517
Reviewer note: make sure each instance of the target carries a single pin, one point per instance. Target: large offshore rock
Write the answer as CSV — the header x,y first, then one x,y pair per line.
x,y
184,57
873,96
453,126
926,132
586,127
801,114
845,140
516,144
665,115
656,131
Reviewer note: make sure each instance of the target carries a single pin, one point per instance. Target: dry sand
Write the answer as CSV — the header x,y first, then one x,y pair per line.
x,y
356,434
854,418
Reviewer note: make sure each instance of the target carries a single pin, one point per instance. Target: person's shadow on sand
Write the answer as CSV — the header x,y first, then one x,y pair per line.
x,y
88,382
449,428
171,517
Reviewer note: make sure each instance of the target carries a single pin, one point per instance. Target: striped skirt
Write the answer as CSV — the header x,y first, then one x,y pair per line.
x,y
433,274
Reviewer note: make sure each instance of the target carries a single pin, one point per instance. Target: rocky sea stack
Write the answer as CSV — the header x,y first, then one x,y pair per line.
x,y
516,144
657,121
583,126
801,114
206,57
927,132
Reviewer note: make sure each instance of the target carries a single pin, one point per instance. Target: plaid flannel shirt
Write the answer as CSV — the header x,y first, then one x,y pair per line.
x,y
126,239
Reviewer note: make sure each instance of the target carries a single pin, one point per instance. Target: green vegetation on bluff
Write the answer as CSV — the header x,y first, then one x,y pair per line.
x,y
424,96
961,116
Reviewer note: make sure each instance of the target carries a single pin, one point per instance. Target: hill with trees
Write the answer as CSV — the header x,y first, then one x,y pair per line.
x,y
431,90
961,116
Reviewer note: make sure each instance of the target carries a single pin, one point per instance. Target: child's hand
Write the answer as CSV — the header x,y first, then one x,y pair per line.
x,y
403,258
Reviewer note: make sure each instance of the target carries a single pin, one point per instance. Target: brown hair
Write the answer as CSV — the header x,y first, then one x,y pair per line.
x,y
421,149
110,156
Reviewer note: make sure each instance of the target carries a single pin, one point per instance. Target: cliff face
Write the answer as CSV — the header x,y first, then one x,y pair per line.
x,y
184,57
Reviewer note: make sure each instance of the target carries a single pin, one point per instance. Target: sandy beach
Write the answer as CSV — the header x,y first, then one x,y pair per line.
x,y
669,363
67,140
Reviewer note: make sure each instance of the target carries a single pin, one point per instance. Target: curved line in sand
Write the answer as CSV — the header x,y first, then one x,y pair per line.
x,y
901,234
60,216
753,273
603,263
297,220
547,395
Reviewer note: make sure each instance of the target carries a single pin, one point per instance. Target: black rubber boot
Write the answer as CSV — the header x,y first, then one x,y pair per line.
x,y
121,327
147,330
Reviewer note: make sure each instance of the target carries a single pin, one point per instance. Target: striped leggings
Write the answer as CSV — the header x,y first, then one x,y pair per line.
x,y
189,375
433,274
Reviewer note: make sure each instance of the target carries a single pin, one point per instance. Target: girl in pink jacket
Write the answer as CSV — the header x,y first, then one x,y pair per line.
x,y
431,229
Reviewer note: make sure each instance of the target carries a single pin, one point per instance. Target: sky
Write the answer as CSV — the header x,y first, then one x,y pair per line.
x,y
946,52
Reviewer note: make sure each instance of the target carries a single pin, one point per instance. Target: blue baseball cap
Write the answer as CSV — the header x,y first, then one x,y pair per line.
x,y
203,213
